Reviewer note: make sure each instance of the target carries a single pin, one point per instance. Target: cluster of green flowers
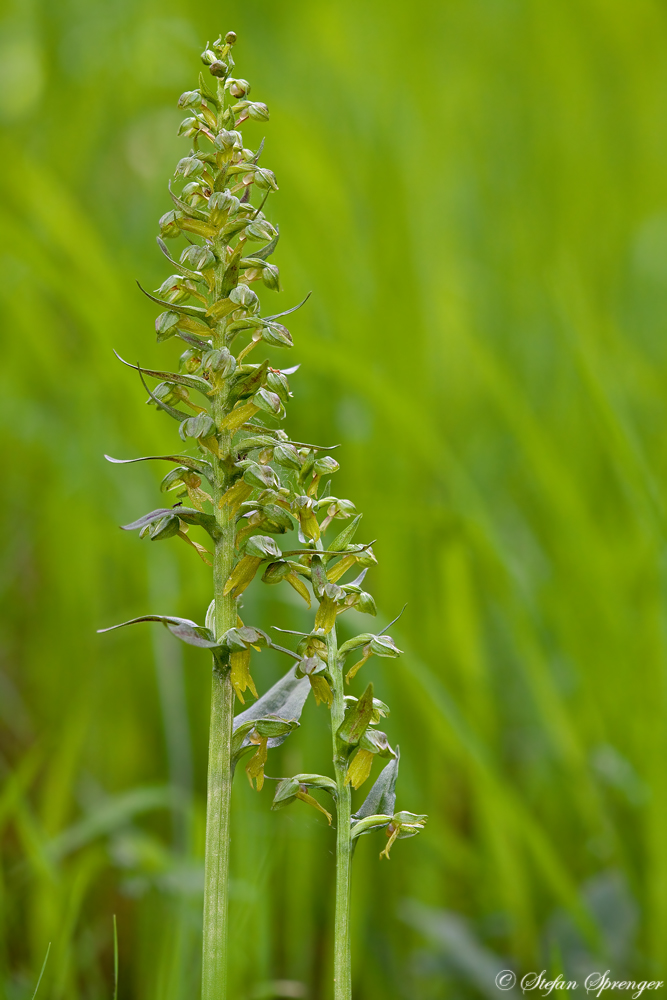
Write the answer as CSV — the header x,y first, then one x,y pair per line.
x,y
246,483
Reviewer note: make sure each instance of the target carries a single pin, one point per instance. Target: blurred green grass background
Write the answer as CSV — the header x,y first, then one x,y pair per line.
x,y
476,193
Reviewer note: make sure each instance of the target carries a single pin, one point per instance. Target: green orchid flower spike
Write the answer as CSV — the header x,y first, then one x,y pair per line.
x,y
242,482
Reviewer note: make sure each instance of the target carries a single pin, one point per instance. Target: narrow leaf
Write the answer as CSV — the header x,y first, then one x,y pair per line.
x,y
196,464
185,208
184,629
191,381
382,796
186,272
187,514
171,410
265,252
357,718
342,540
176,307
284,701
287,311
46,958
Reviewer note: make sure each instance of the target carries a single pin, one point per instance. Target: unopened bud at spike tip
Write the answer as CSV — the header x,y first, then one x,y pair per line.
x,y
219,69
230,38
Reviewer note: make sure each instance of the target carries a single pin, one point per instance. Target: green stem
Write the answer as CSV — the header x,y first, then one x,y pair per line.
x,y
342,953
218,833
220,770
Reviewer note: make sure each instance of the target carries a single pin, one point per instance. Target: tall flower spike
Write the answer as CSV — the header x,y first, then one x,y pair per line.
x,y
243,483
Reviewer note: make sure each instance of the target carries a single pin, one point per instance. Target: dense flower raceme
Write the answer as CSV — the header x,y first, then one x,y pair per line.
x,y
241,467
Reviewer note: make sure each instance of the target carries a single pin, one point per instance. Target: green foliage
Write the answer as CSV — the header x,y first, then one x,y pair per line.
x,y
475,193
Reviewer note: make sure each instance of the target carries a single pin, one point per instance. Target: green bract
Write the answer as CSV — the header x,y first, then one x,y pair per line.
x,y
259,484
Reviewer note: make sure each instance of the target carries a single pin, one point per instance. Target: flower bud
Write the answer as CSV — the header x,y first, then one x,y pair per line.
x,y
175,479
276,335
276,571
260,229
269,402
173,288
197,427
277,382
238,88
230,38
168,227
307,467
287,456
308,665
302,503
192,193
244,297
208,57
334,592
165,325
325,465
222,361
190,99
258,111
274,518
384,645
262,547
265,178
189,166
228,140
166,527
197,258
337,508
271,277
221,205
367,557
366,604
261,476
219,69
233,641
189,127
189,361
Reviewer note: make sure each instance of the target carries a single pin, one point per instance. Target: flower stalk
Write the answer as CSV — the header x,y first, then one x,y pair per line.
x,y
220,761
244,483
342,942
